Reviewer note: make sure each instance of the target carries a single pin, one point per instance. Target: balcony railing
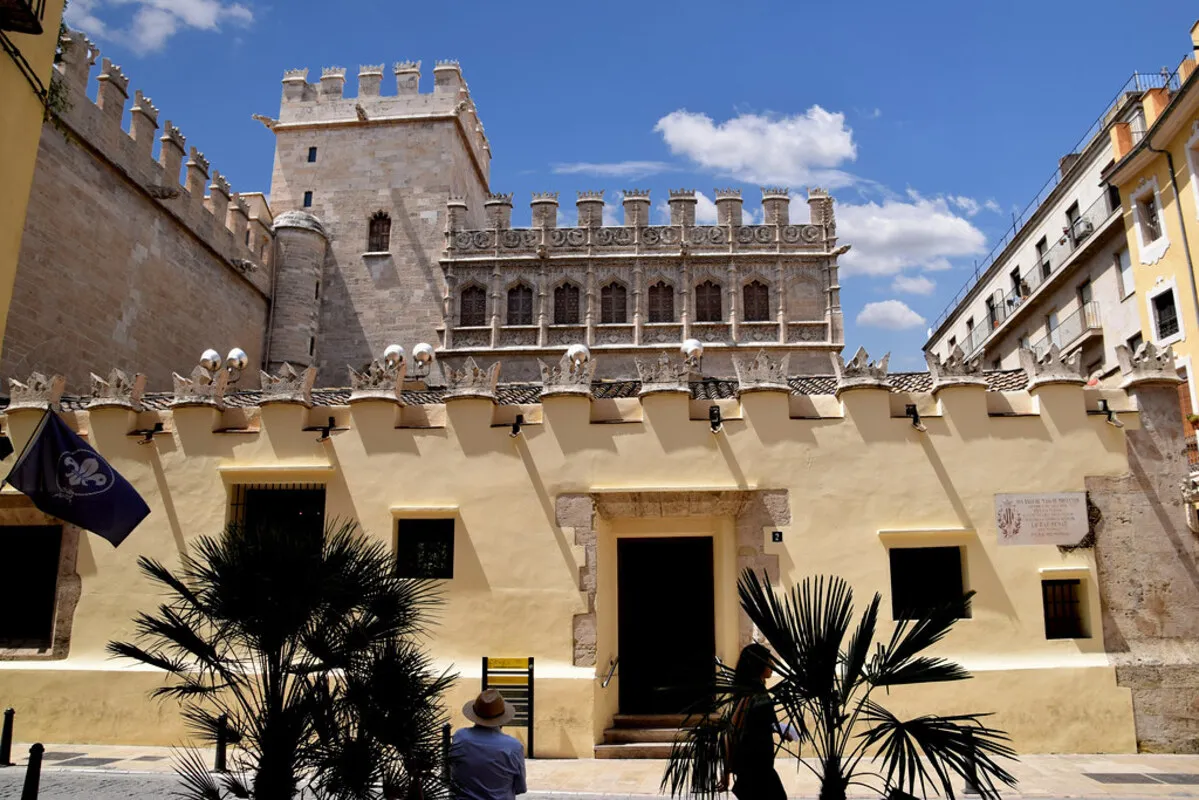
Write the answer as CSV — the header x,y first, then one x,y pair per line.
x,y
1138,83
22,16
1192,451
1071,329
1074,236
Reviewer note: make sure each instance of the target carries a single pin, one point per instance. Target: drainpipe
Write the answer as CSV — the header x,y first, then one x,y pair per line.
x,y
1186,247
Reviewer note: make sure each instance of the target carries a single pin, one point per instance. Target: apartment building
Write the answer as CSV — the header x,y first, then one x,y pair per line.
x,y
1061,275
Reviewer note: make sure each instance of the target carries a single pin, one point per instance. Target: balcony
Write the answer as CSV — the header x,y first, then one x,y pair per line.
x,y
1075,235
1073,330
22,16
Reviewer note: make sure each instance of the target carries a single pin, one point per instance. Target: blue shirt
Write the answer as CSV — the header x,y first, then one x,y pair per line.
x,y
487,764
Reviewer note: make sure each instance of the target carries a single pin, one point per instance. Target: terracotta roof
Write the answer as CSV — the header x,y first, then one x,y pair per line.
x,y
527,393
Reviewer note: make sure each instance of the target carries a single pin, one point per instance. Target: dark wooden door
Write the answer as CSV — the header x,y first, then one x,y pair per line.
x,y
667,619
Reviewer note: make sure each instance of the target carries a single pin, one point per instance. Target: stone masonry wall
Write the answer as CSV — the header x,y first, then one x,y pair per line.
x,y
114,248
1147,561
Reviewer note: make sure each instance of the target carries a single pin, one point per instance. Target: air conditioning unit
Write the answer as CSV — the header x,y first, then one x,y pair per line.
x,y
1082,229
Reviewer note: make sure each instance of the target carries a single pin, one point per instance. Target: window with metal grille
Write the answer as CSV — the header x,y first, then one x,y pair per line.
x,y
298,507
756,299
472,307
520,305
27,594
1063,609
661,302
924,579
613,304
1165,314
707,302
566,305
379,235
425,548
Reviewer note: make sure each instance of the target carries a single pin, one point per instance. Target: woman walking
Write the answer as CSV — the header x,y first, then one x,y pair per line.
x,y
751,748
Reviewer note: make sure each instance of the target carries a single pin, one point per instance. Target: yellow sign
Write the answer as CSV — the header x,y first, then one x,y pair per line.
x,y
507,663
507,680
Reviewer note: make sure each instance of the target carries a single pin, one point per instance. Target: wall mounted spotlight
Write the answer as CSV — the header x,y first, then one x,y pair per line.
x,y
148,434
714,419
325,430
1105,408
520,420
911,413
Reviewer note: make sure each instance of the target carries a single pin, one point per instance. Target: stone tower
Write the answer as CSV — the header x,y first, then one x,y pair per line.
x,y
374,173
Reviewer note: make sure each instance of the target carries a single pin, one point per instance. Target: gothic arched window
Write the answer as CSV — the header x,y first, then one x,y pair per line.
x,y
755,299
566,304
472,307
707,302
661,302
379,238
614,304
520,305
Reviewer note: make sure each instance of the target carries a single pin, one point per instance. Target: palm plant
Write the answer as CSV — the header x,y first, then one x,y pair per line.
x,y
829,677
279,636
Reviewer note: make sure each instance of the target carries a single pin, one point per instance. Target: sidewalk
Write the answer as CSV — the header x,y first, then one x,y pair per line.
x,y
1084,776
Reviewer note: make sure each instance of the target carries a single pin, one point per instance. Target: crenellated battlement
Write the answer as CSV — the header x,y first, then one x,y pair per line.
x,y
132,153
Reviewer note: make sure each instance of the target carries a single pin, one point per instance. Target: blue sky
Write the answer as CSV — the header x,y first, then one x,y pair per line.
x,y
930,121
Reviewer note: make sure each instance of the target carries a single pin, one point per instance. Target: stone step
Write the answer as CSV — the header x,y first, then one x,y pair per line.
x,y
644,721
640,735
653,750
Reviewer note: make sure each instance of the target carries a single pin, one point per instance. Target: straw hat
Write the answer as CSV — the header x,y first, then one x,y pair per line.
x,y
489,710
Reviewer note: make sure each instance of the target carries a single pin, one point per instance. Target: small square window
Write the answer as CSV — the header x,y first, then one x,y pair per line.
x,y
295,507
307,199
28,594
425,548
1063,602
311,155
924,579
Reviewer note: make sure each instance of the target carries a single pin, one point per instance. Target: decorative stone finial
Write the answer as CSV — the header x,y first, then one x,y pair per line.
x,y
956,370
1148,365
196,159
289,386
381,380
775,191
170,133
860,372
572,376
636,194
492,198
1051,367
472,380
38,391
761,374
333,72
117,391
545,197
113,74
370,69
269,122
591,195
144,105
296,74
663,375
220,183
204,387
406,66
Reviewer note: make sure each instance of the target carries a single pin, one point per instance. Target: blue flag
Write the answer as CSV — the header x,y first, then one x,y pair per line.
x,y
66,478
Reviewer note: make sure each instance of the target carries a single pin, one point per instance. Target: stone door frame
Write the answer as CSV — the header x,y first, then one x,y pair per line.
x,y
752,511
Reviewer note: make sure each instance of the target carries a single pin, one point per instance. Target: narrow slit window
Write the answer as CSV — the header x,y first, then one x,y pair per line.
x,y
311,155
307,199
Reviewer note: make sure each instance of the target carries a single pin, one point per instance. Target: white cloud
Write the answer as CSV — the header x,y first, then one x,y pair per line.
x,y
620,169
900,234
151,23
612,215
705,209
894,315
912,284
993,207
798,149
967,204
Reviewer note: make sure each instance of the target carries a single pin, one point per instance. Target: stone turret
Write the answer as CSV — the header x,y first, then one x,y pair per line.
x,y
301,242
590,206
545,209
636,207
682,206
776,204
728,206
498,208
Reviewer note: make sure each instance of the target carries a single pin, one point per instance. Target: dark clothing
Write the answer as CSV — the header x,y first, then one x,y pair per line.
x,y
753,751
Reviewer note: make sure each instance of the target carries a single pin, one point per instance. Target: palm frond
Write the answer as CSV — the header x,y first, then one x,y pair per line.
x,y
913,636
921,670
198,783
697,760
858,651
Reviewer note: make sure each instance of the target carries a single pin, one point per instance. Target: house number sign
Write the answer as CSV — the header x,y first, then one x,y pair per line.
x,y
1023,519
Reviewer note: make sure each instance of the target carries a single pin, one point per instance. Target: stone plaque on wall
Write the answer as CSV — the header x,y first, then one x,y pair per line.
x,y
1057,519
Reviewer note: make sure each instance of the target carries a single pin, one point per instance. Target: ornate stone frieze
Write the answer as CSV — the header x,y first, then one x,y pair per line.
x,y
39,391
471,381
117,391
569,377
381,380
860,372
761,373
203,387
288,386
1052,367
663,375
1148,365
956,370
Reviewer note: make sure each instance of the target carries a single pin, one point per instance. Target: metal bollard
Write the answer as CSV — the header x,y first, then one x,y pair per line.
x,y
222,739
971,786
6,739
445,748
33,772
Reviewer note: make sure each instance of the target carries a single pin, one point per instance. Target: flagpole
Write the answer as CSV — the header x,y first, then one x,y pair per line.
x,y
36,432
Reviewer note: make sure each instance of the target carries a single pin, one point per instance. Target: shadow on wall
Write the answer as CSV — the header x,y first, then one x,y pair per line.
x,y
341,340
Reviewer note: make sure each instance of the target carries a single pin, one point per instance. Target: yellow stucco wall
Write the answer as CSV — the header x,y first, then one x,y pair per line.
x,y
20,130
856,467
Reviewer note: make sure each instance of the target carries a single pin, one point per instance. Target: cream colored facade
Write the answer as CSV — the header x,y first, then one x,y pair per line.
x,y
836,466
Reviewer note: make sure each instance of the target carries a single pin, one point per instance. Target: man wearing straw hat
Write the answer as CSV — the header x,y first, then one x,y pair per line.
x,y
486,763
